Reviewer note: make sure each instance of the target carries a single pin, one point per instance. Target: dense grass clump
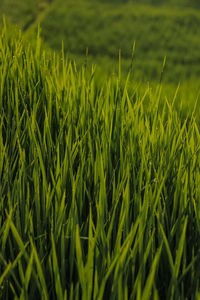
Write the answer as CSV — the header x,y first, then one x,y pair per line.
x,y
99,186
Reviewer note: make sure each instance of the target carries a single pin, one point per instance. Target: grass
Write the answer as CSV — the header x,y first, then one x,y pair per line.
x,y
99,186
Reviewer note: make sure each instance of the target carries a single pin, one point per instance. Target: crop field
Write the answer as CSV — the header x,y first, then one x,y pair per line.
x,y
99,185
18,11
99,149
103,28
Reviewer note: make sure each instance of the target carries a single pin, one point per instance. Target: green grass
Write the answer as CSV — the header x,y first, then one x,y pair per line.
x,y
99,185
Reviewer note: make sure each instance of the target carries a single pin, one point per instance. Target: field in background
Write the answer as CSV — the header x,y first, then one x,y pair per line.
x,y
105,28
18,11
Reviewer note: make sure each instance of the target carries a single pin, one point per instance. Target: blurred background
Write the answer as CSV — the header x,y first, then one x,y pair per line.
x,y
144,32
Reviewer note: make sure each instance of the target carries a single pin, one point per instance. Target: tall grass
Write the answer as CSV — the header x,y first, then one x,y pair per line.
x,y
99,187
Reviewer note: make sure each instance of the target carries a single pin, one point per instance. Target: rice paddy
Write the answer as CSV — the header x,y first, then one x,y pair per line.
x,y
99,186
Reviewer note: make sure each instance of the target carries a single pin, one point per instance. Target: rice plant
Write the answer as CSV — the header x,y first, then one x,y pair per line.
x,y
99,186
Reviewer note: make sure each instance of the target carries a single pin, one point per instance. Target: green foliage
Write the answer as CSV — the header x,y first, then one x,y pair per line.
x,y
176,3
20,12
103,29
99,186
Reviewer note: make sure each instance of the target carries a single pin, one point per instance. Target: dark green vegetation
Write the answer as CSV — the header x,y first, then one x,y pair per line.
x,y
20,12
172,3
104,28
99,187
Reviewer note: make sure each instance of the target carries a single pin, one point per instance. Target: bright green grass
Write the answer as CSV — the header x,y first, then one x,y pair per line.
x,y
99,186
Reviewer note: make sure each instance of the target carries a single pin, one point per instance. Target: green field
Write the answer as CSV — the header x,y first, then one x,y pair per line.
x,y
157,31
99,186
18,11
99,150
